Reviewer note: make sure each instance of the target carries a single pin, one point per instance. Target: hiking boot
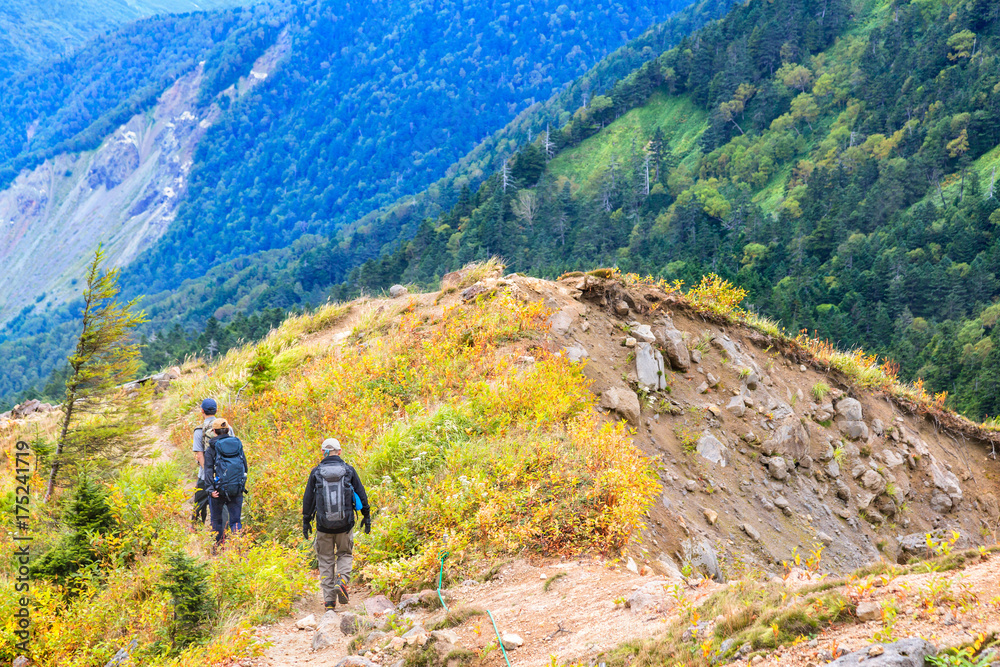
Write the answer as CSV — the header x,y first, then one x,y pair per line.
x,y
341,591
331,605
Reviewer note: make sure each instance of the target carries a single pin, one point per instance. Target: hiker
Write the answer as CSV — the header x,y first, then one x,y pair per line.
x,y
333,493
208,409
226,471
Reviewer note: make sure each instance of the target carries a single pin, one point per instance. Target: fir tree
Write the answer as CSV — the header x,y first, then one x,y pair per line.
x,y
101,419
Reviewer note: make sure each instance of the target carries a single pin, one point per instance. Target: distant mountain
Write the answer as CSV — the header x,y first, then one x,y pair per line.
x,y
34,31
839,164
367,104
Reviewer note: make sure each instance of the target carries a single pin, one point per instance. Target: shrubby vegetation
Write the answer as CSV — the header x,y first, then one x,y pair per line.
x,y
849,199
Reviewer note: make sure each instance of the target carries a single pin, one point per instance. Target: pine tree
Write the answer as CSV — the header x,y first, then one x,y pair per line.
x,y
102,420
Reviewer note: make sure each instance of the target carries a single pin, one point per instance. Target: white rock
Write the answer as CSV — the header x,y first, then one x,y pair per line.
x,y
511,641
307,623
631,566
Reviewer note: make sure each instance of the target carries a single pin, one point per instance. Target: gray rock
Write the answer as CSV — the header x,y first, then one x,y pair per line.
x,y
649,367
781,503
577,353
869,610
691,485
623,401
700,553
886,506
824,538
306,623
644,333
945,480
352,623
823,412
737,406
448,636
849,409
703,388
858,470
397,291
776,466
833,469
379,604
677,352
865,499
855,430
752,532
695,356
941,502
873,481
648,598
878,428
356,661
892,459
909,652
843,491
916,543
751,380
790,439
511,641
710,448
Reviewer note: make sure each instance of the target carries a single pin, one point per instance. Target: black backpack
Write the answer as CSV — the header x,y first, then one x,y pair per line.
x,y
230,473
334,498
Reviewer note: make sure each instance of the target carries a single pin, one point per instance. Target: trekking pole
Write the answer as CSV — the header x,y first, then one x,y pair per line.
x,y
440,577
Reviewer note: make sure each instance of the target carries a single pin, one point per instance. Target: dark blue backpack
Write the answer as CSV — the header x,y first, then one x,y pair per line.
x,y
230,473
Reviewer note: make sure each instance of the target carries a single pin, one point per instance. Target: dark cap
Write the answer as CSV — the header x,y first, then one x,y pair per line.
x,y
209,406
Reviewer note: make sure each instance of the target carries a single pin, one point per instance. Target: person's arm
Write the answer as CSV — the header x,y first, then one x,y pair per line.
x,y
198,448
308,506
366,512
210,470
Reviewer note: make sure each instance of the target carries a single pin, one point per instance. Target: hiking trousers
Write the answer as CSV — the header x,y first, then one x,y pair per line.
x,y
217,508
335,553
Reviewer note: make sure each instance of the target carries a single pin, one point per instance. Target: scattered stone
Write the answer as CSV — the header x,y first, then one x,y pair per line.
x,y
869,610
511,641
356,661
843,491
711,516
695,356
711,449
691,485
782,503
737,406
752,532
21,661
878,428
630,342
352,623
802,369
875,651
858,470
307,623
701,555
855,430
865,499
805,462
397,291
873,481
946,481
824,538
714,409
892,459
903,653
676,349
941,502
577,353
776,466
449,636
648,597
621,308
644,333
631,566
623,401
649,367
849,409
703,388
790,439
378,605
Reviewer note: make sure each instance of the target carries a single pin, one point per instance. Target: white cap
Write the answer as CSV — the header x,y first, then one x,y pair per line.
x,y
331,445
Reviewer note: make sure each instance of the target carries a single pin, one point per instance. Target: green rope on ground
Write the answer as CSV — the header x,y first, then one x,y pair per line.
x,y
440,577
490,613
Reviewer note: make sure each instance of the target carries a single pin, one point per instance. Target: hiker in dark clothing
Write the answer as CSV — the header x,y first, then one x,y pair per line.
x,y
200,442
226,471
333,493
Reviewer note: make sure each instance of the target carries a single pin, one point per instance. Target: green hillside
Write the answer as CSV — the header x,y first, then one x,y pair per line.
x,y
835,159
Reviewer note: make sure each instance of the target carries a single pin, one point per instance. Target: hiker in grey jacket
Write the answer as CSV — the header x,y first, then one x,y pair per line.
x,y
330,497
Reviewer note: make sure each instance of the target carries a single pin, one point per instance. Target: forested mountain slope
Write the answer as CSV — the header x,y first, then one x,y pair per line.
x,y
367,105
835,159
34,32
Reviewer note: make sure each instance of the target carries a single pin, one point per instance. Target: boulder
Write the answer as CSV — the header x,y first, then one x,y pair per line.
x,y
869,610
865,499
873,481
378,605
823,412
833,469
855,430
737,406
24,409
576,353
676,349
909,652
644,333
778,469
699,552
843,491
397,291
946,481
621,308
941,502
649,367
711,449
850,409
623,401
790,439
892,459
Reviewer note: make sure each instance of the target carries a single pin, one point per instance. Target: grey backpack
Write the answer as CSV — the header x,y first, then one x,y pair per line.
x,y
334,498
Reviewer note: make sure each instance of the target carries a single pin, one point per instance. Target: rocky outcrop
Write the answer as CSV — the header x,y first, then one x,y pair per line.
x,y
903,653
